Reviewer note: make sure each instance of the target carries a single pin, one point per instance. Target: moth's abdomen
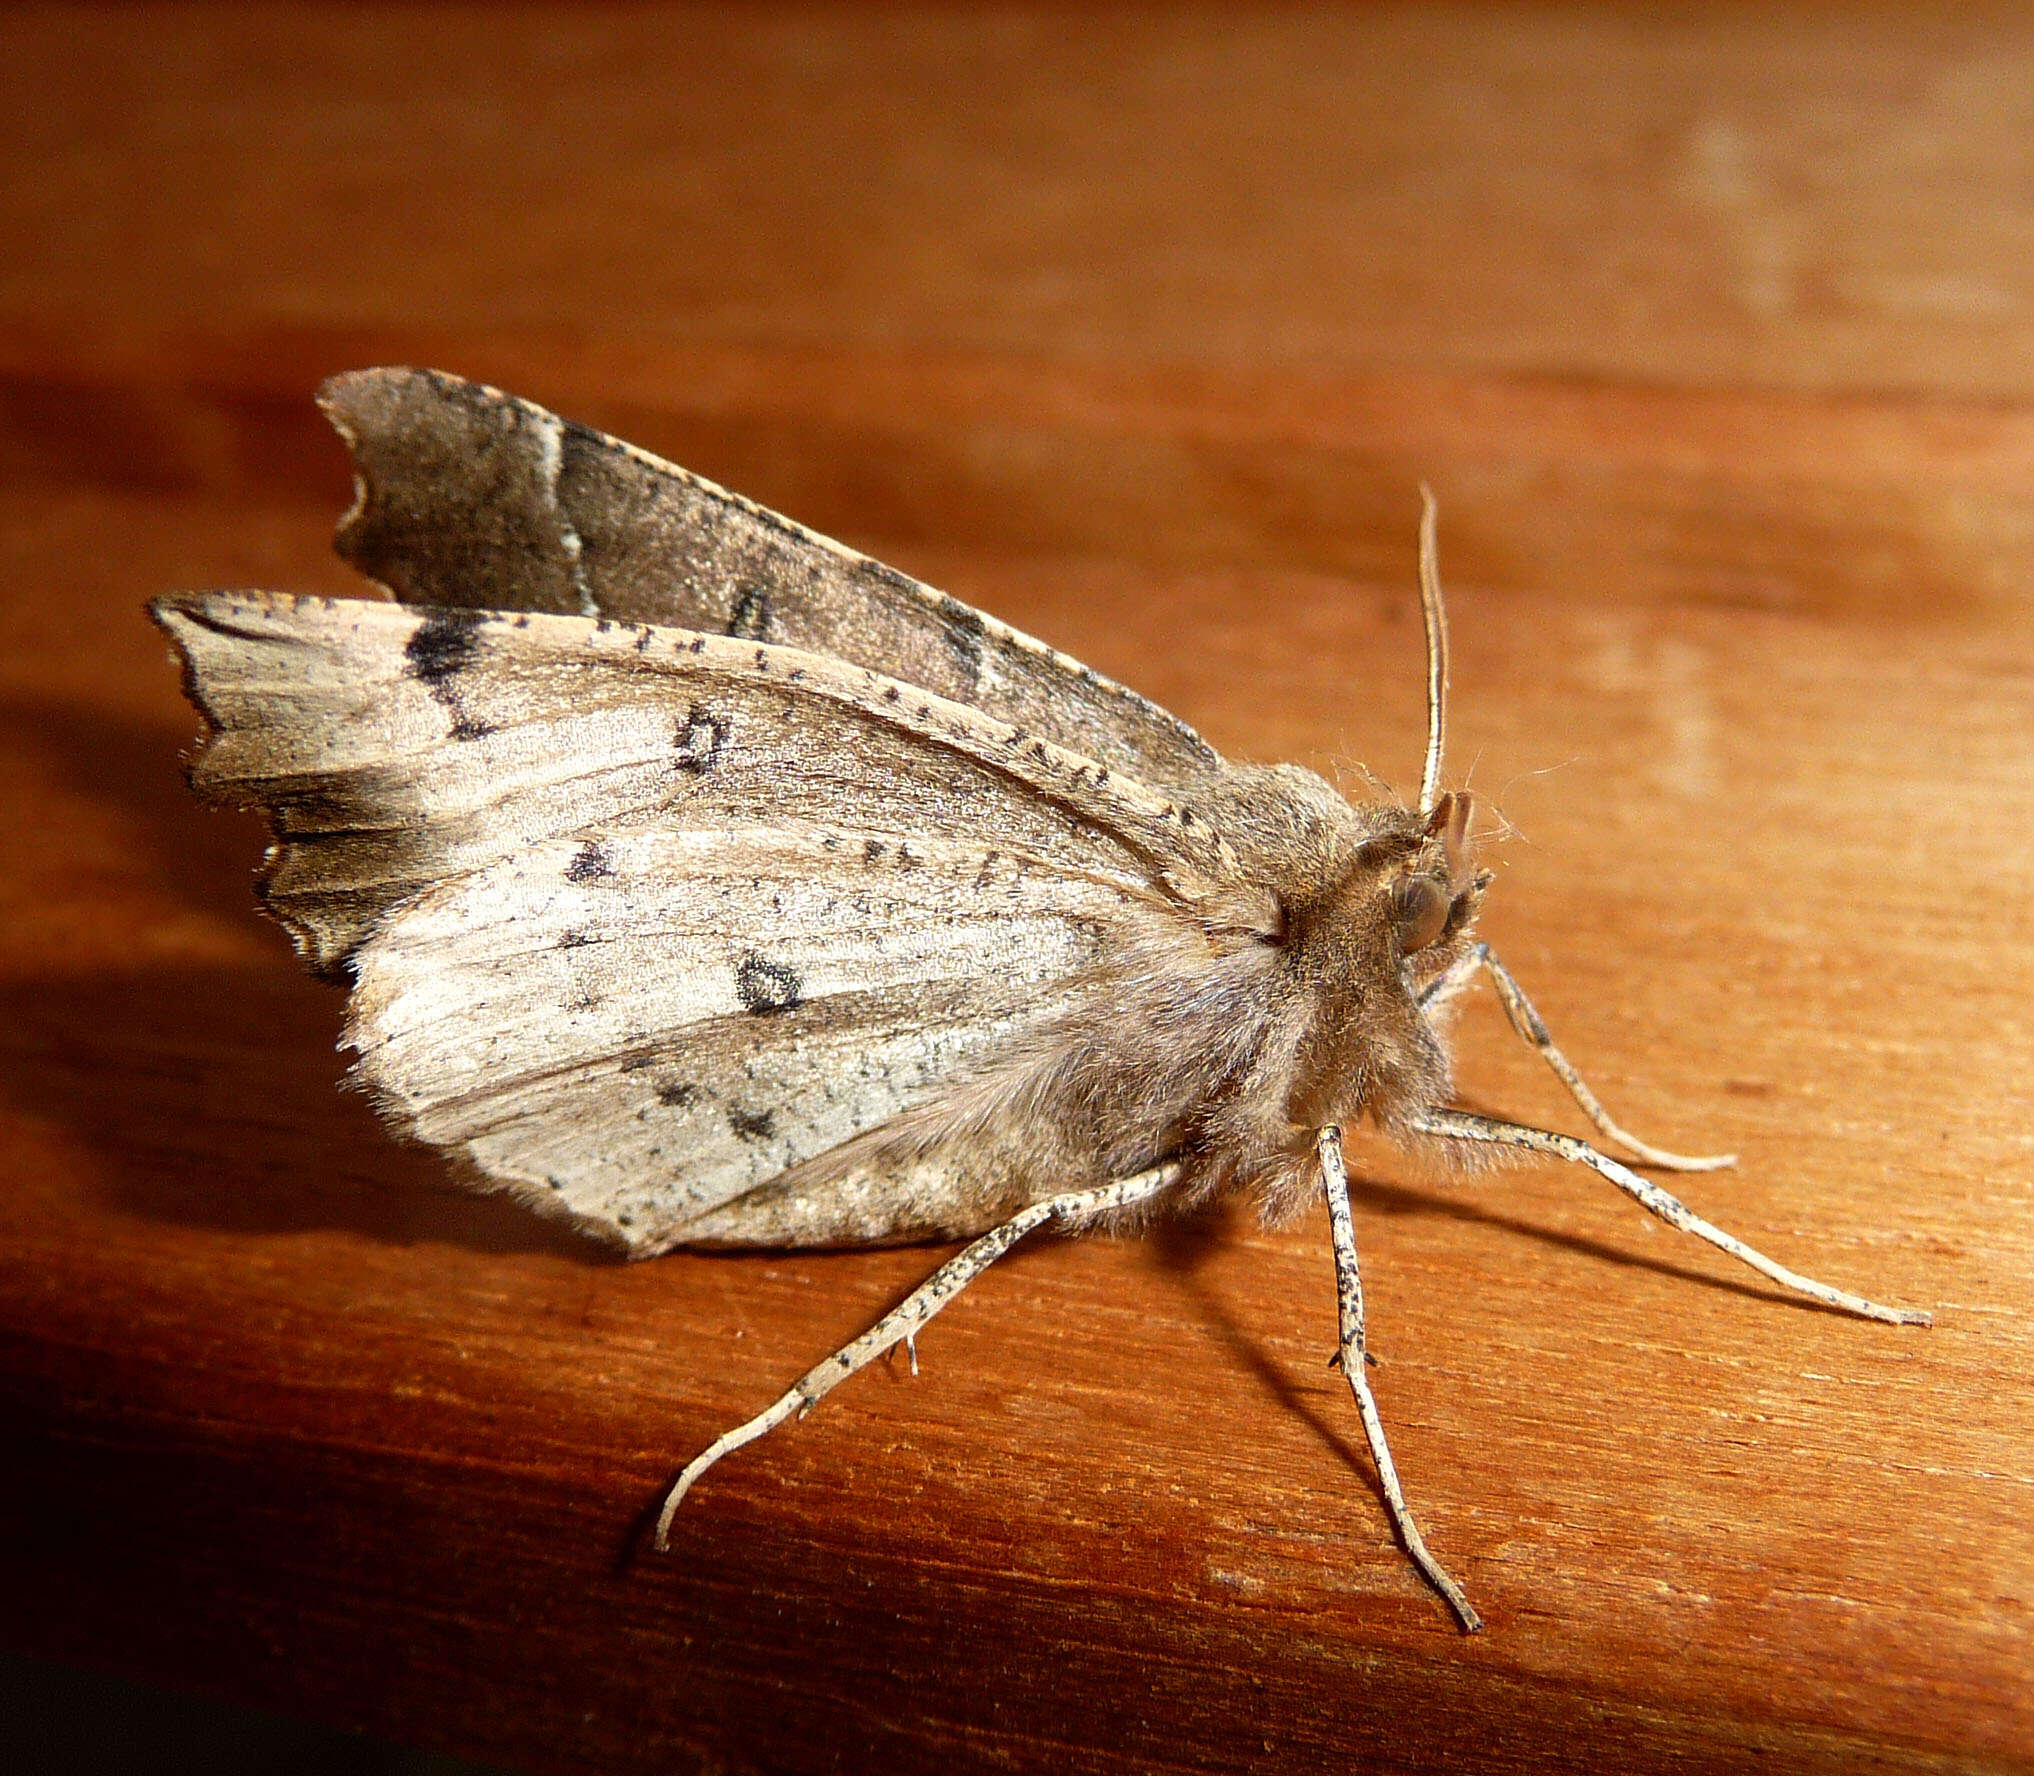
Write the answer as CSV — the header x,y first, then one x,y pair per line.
x,y
881,1200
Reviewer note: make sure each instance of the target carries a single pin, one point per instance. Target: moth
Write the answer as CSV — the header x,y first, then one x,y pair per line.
x,y
706,883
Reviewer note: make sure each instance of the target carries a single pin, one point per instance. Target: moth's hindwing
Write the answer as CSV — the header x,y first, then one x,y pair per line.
x,y
468,496
648,1026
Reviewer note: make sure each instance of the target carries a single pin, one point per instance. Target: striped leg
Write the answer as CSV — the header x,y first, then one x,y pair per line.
x,y
903,1322
1460,1125
1532,1029
1349,1297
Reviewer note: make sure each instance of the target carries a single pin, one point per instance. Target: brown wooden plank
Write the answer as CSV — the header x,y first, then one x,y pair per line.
x,y
1800,195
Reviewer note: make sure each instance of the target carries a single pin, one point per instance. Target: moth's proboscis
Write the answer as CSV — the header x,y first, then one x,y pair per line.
x,y
706,883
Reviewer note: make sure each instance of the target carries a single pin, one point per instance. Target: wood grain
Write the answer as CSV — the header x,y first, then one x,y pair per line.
x,y
1139,328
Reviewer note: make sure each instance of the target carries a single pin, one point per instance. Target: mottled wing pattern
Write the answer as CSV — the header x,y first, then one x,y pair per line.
x,y
645,1043
641,918
471,497
396,748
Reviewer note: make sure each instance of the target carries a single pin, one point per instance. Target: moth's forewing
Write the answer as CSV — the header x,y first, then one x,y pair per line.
x,y
670,928
396,749
473,498
642,918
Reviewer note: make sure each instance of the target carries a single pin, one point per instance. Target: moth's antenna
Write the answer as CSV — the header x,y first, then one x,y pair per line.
x,y
1437,650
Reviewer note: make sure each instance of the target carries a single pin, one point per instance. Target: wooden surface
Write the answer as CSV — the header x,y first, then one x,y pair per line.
x,y
1714,334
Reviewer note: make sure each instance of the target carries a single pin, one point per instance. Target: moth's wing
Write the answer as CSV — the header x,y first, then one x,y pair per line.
x,y
470,497
396,749
645,1048
640,920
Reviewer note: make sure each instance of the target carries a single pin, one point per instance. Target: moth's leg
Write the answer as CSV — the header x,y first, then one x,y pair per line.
x,y
1532,1029
1461,1125
903,1322
1349,1298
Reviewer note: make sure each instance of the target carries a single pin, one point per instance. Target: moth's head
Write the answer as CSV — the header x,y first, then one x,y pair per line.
x,y
1398,914
1394,913
1429,886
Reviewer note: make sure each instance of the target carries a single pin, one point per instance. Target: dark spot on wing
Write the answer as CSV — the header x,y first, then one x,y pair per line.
x,y
752,1125
589,864
872,849
636,1063
575,940
750,618
678,1093
964,634
765,987
700,738
443,646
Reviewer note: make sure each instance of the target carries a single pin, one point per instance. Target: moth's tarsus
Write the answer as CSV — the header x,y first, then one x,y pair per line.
x,y
1532,1030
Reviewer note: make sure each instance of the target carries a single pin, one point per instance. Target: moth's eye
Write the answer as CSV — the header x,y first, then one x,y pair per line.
x,y
1419,911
